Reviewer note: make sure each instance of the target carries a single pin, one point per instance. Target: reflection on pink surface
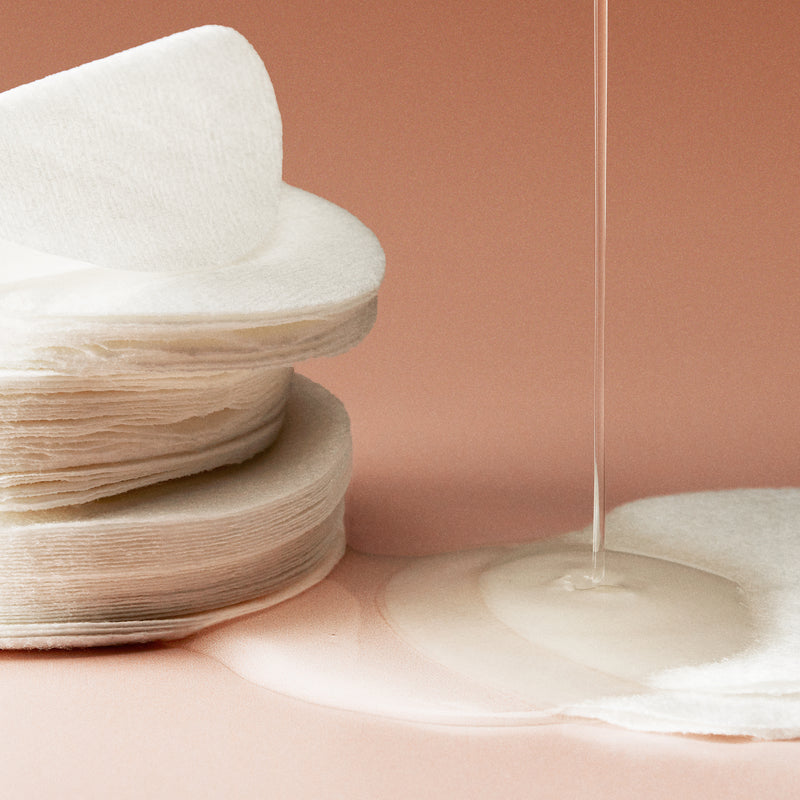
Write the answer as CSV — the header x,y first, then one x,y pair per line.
x,y
166,722
331,646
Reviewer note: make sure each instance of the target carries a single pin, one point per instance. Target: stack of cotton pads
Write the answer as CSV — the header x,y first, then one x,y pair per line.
x,y
162,467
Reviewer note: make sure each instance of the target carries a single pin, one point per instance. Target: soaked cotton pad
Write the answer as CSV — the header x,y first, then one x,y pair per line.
x,y
163,561
697,631
163,157
751,536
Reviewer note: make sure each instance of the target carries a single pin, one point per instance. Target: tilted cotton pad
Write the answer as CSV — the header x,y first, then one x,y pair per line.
x,y
164,561
166,156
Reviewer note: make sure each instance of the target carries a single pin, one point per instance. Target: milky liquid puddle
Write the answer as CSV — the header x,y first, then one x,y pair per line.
x,y
496,636
520,635
509,620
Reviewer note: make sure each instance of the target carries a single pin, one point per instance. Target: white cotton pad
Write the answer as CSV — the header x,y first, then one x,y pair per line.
x,y
68,440
309,290
163,561
163,157
750,536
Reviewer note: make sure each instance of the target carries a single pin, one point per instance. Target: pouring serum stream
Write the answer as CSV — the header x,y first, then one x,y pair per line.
x,y
600,131
569,644
580,580
504,630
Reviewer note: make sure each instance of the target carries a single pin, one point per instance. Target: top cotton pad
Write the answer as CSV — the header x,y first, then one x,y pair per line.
x,y
163,157
309,290
166,159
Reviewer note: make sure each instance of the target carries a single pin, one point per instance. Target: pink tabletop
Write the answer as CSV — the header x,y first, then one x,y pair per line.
x,y
461,133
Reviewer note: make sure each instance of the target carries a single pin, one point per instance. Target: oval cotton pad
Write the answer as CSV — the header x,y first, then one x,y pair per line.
x,y
164,561
309,290
166,156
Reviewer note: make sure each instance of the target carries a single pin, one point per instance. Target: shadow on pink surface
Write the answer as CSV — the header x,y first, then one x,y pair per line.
x,y
424,514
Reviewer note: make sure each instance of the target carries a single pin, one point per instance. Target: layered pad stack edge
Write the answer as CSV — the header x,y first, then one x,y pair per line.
x,y
162,468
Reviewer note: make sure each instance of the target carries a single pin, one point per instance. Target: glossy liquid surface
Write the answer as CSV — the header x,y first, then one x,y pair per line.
x,y
509,620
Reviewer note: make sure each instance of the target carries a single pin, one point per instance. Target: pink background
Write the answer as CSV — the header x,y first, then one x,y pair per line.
x,y
461,133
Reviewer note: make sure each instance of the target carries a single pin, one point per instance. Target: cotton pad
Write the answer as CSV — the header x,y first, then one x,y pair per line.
x,y
751,536
163,157
150,313
164,561
720,655
309,290
69,440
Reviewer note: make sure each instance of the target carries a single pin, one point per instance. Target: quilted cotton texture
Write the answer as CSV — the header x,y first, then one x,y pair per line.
x,y
167,156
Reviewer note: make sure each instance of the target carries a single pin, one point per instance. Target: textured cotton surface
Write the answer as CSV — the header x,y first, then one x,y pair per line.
x,y
163,157
157,282
751,536
69,439
318,260
125,348
310,290
137,565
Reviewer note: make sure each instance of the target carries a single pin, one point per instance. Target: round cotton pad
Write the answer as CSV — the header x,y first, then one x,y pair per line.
x,y
164,561
166,156
66,440
309,290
